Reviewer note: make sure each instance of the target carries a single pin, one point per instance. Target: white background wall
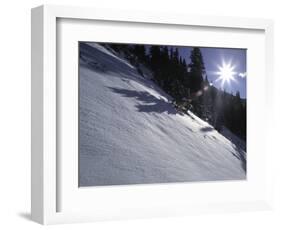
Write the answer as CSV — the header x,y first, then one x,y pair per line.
x,y
15,113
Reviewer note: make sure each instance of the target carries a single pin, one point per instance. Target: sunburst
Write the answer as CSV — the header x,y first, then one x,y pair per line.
x,y
226,73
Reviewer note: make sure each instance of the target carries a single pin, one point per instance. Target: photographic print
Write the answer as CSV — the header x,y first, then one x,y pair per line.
x,y
161,114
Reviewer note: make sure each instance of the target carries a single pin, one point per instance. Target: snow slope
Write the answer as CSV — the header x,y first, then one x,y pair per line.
x,y
130,133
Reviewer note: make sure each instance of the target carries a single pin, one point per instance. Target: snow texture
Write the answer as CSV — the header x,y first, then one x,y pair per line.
x,y
130,132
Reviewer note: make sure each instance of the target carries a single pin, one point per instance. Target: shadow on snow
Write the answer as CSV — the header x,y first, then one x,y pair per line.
x,y
207,129
148,103
98,61
236,143
92,58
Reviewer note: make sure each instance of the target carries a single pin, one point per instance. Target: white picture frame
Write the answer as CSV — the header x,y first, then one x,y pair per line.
x,y
48,179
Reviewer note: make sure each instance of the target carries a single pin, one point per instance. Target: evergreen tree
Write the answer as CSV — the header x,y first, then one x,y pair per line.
x,y
155,61
176,56
197,69
207,100
164,63
139,51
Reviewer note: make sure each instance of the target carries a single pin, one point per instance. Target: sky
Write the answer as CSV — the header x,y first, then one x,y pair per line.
x,y
214,58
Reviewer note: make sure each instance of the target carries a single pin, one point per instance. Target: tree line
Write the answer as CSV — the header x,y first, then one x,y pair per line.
x,y
188,84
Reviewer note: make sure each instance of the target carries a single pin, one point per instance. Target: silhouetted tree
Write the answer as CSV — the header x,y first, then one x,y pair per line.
x,y
139,51
197,69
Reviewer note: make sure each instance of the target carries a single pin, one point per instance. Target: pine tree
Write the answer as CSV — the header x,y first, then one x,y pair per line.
x,y
139,51
164,68
196,73
176,56
197,69
155,61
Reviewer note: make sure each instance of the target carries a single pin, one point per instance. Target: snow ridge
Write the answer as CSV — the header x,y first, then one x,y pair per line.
x,y
130,132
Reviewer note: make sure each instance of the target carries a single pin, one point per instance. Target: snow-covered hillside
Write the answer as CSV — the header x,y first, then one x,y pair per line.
x,y
130,132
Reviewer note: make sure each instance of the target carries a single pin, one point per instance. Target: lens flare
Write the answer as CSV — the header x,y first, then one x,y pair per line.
x,y
226,73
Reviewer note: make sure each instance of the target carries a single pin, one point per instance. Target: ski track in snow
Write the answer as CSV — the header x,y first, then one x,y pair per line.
x,y
130,132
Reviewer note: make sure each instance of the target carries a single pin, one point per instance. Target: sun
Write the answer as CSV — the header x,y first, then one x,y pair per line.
x,y
226,73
